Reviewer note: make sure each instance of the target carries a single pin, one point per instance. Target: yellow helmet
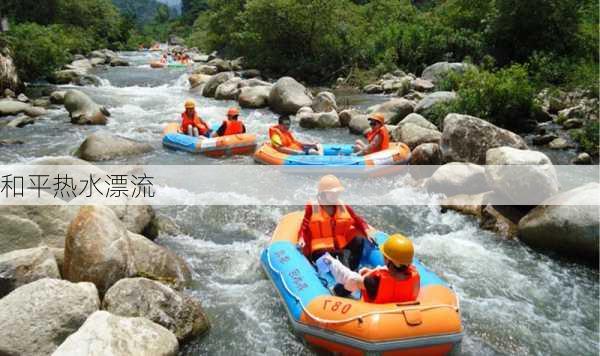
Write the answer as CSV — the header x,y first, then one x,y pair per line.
x,y
330,183
190,104
399,250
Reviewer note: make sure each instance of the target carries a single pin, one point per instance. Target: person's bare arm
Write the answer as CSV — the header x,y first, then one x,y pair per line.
x,y
368,148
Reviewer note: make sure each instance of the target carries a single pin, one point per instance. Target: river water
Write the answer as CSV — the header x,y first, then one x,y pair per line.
x,y
514,301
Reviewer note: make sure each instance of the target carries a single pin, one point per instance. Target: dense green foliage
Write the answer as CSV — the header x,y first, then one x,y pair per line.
x,y
588,137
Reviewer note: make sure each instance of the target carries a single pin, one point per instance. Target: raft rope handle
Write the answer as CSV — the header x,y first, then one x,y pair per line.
x,y
357,317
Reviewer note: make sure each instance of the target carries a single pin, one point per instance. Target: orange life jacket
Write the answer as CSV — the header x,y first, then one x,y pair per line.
x,y
330,233
195,122
233,127
385,138
392,289
287,139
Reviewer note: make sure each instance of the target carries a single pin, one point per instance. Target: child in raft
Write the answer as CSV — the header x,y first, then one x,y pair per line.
x,y
396,282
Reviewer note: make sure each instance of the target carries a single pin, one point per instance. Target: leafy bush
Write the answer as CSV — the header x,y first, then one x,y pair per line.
x,y
505,97
588,137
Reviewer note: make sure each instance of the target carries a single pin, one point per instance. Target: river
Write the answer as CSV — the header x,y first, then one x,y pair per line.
x,y
514,301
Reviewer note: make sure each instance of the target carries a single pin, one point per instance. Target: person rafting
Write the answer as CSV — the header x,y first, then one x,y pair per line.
x,y
330,226
231,126
397,281
191,123
378,137
283,141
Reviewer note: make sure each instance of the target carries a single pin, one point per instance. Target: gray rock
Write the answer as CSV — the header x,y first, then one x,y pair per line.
x,y
560,144
393,110
119,62
58,97
43,102
80,64
287,96
9,94
206,69
197,80
67,76
211,86
83,110
23,98
572,112
250,73
373,89
102,146
228,90
176,41
99,249
437,71
324,102
11,142
347,115
525,177
541,140
583,158
12,107
237,64
37,317
104,334
9,79
21,121
572,124
566,223
430,101
141,297
359,124
221,65
426,154
97,61
422,85
254,97
254,82
399,85
467,138
418,120
458,178
414,135
20,267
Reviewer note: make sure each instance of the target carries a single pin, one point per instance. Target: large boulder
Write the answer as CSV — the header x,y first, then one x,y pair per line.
x,y
422,85
119,62
426,154
237,64
83,110
14,107
20,267
347,115
438,71
320,120
359,124
287,96
393,110
418,120
425,106
414,135
58,97
8,72
67,76
211,86
228,90
99,249
458,178
324,102
524,177
111,335
37,317
254,82
373,88
142,297
103,146
221,65
196,80
254,96
80,64
467,138
566,224
206,69
400,86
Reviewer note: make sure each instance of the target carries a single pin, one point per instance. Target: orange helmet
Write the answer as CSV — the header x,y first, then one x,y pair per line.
x,y
233,112
377,117
190,104
330,183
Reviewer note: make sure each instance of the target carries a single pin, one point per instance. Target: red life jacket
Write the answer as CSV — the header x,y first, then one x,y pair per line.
x,y
330,233
287,139
392,289
385,138
195,122
233,127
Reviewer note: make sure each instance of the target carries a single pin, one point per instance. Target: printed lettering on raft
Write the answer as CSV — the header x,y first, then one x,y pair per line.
x,y
282,257
297,279
335,306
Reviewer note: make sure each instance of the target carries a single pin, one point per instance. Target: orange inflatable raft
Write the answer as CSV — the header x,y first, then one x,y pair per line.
x,y
213,147
429,326
157,64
